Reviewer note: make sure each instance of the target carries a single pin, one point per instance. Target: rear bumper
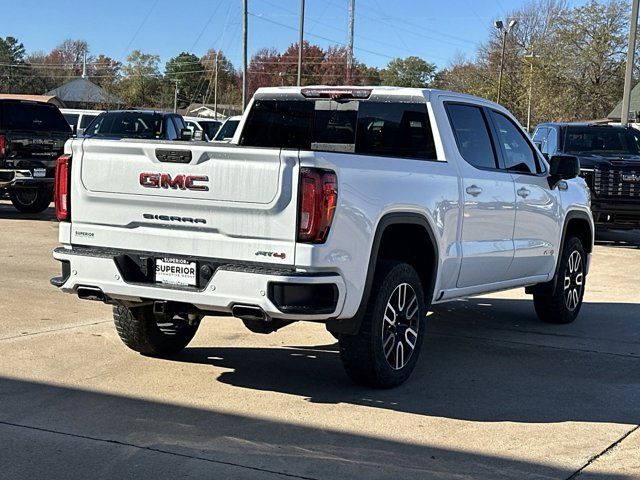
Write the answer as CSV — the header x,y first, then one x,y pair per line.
x,y
21,178
616,214
282,294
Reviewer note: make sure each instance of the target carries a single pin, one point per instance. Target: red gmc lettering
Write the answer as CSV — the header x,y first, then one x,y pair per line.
x,y
179,182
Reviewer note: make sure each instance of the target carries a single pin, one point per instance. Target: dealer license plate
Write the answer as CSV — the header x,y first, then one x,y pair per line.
x,y
176,271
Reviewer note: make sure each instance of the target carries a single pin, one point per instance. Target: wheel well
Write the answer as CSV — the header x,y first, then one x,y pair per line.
x,y
580,228
411,243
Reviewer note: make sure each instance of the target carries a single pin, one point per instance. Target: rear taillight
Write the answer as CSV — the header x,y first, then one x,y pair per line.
x,y
62,188
318,197
2,146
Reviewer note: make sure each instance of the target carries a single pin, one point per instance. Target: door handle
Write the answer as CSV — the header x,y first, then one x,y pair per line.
x,y
474,190
523,192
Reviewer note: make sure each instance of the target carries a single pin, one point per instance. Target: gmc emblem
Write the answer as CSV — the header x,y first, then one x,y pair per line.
x,y
179,182
630,177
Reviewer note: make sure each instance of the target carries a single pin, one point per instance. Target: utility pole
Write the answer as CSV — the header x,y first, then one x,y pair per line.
x,y
504,31
215,88
631,50
300,42
175,98
532,56
244,54
352,12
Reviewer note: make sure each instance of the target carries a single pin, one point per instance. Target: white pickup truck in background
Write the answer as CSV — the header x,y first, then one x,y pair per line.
x,y
356,207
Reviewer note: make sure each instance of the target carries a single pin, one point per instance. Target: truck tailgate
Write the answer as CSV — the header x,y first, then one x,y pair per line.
x,y
224,202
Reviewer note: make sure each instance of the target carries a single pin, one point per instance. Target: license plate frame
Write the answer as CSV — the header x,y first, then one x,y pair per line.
x,y
178,272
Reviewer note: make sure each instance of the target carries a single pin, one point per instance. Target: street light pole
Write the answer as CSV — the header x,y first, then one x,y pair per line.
x,y
244,54
532,56
175,98
631,49
504,31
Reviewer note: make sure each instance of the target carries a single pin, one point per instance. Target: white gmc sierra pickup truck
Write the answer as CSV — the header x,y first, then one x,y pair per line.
x,y
356,207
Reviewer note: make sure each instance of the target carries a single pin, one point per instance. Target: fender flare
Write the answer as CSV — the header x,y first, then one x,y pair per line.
x,y
351,326
548,287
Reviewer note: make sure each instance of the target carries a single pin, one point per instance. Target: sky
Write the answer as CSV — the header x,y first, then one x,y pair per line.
x,y
435,30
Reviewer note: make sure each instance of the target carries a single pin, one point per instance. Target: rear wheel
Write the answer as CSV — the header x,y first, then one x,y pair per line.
x,y
151,334
563,303
31,200
385,351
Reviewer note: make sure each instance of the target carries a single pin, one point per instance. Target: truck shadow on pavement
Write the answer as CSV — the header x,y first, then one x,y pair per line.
x,y
8,212
618,238
50,431
483,360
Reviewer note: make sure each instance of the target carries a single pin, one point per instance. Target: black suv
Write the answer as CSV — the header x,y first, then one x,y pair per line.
x,y
609,162
145,124
32,136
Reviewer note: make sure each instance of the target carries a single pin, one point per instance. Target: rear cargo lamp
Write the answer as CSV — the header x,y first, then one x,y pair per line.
x,y
62,188
2,146
336,93
318,197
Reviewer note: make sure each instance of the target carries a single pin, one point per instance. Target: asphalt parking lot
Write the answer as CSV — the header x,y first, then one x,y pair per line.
x,y
495,395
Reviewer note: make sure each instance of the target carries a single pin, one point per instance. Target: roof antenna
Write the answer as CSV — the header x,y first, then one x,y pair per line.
x,y
84,65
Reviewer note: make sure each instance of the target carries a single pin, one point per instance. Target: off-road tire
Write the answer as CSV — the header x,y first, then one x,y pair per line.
x,y
366,357
23,200
563,303
141,330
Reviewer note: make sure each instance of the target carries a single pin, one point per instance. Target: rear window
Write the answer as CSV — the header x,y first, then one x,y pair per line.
x,y
32,117
127,125
361,127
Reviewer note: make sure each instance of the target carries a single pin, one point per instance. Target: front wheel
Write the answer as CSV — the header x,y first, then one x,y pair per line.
x,y
156,335
385,351
31,200
563,303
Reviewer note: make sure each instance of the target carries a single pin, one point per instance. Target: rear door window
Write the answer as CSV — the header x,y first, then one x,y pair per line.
x,y
32,117
472,135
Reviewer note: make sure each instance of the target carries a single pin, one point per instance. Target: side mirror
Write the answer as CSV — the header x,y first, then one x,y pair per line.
x,y
538,145
198,134
186,134
563,167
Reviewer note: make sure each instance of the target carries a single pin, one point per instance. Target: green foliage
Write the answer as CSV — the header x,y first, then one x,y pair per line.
x,y
142,83
188,73
572,58
14,71
408,72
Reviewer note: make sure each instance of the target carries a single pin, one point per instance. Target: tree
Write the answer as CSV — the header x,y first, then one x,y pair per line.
x,y
228,87
14,70
572,58
105,71
408,72
142,85
186,70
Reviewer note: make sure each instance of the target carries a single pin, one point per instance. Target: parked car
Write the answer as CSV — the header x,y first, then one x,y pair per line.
x,y
609,162
355,207
203,128
228,129
144,124
32,136
79,119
